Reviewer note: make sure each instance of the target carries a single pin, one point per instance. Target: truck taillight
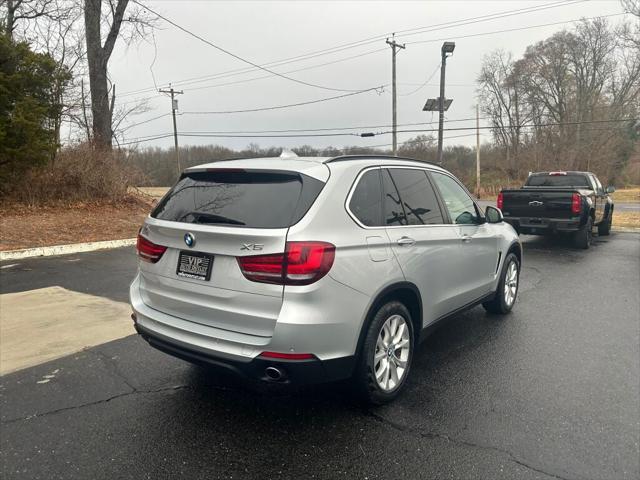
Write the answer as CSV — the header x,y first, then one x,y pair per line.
x,y
500,201
149,251
302,263
576,203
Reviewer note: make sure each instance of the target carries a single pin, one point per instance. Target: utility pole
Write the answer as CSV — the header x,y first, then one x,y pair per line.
x,y
174,107
394,46
477,151
447,48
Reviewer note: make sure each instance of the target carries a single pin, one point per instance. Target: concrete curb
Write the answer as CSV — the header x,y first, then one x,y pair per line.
x,y
65,249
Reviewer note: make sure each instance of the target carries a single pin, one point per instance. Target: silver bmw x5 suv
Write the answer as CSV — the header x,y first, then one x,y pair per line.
x,y
301,270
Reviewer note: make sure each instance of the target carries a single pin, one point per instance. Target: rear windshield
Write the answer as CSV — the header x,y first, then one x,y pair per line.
x,y
578,181
239,198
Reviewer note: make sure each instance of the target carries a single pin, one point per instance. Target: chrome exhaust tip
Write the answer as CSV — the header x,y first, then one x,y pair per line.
x,y
274,374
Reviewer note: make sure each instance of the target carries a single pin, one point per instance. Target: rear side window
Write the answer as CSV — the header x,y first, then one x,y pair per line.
x,y
418,198
366,201
239,198
578,181
393,213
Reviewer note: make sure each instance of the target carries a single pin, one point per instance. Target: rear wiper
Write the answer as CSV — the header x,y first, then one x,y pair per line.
x,y
201,217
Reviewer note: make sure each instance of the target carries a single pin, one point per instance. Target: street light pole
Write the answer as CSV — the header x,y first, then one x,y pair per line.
x,y
447,48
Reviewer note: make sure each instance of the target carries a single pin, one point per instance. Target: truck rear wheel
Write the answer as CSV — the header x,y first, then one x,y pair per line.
x,y
582,238
605,226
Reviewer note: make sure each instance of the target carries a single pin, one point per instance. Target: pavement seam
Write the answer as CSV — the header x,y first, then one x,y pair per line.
x,y
431,435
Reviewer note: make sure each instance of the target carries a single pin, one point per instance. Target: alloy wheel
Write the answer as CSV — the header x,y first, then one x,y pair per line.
x,y
511,284
392,353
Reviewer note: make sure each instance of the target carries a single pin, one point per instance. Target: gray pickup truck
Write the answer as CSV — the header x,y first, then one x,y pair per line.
x,y
552,202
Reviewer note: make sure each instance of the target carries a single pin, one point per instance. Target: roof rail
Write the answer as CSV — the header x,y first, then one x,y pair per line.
x,y
343,158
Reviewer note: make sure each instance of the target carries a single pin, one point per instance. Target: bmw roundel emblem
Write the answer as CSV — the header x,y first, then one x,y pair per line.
x,y
189,240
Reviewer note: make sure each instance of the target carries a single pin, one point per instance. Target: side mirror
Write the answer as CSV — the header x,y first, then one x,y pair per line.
x,y
610,189
493,215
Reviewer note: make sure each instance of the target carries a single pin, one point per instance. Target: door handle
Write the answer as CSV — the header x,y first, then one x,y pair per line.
x,y
406,241
466,238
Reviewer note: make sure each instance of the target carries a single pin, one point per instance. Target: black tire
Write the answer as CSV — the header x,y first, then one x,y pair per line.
x,y
582,238
499,303
365,381
605,226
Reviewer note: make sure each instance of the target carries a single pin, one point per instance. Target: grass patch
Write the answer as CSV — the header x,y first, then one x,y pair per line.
x,y
626,219
626,195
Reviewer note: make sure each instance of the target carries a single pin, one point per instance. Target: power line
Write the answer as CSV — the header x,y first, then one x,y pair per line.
x,y
420,141
354,44
511,127
238,57
278,107
423,84
367,53
516,29
310,67
322,129
312,135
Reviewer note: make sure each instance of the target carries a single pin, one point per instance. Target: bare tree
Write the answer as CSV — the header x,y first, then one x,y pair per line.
x,y
25,10
110,14
501,98
98,55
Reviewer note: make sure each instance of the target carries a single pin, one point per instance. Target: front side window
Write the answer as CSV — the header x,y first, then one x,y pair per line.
x,y
366,201
417,196
460,206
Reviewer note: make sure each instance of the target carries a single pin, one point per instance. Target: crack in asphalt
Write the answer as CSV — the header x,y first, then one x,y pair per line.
x,y
112,366
438,436
133,391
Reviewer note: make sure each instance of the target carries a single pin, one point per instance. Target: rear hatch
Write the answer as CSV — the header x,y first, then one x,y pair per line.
x,y
209,219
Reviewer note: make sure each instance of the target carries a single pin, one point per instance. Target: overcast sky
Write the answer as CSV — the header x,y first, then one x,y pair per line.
x,y
268,31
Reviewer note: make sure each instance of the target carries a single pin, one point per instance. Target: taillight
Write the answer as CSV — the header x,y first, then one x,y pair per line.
x,y
576,203
288,356
500,201
302,263
149,251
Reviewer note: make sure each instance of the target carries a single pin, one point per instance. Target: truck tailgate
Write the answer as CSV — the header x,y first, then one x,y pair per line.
x,y
538,203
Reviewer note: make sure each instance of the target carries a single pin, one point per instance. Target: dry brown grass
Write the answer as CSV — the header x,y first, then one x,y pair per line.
x,y
626,219
627,195
27,227
153,192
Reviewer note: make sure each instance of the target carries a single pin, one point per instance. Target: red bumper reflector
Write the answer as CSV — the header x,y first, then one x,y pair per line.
x,y
288,356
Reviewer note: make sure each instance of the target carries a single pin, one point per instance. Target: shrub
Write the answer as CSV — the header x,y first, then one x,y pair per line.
x,y
78,174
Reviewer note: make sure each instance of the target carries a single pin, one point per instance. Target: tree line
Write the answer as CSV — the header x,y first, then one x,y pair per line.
x,y
570,101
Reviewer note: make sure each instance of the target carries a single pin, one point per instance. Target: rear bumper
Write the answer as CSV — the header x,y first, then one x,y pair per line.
x,y
293,372
544,226
302,327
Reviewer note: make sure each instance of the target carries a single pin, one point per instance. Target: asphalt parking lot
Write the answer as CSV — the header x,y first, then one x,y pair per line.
x,y
551,391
